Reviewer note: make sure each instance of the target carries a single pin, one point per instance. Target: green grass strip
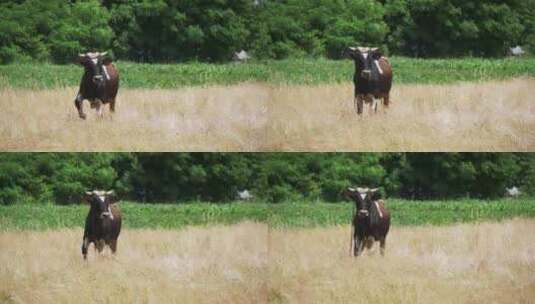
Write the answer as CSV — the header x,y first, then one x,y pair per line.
x,y
284,215
278,72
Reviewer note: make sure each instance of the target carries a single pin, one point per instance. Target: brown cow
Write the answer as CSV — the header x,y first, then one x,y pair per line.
x,y
373,77
103,223
99,83
371,219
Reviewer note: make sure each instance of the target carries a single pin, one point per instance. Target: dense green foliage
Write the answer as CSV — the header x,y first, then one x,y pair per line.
x,y
301,214
271,177
170,30
288,71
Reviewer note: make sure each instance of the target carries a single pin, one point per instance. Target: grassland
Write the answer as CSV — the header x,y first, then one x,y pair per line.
x,y
487,116
463,263
284,215
249,263
195,265
276,72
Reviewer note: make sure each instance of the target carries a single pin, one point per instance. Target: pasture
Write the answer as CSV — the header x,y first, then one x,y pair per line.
x,y
195,265
463,263
283,253
292,105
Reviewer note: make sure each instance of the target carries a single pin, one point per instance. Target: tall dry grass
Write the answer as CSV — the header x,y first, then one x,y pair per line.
x,y
469,263
195,265
489,116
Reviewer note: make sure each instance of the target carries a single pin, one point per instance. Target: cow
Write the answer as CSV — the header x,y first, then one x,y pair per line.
x,y
372,78
103,222
371,219
99,84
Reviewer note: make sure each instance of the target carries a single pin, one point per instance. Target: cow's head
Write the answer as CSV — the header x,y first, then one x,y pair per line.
x,y
92,62
100,202
362,197
366,60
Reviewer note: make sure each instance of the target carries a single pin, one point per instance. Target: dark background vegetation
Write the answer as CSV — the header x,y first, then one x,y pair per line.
x,y
185,30
271,177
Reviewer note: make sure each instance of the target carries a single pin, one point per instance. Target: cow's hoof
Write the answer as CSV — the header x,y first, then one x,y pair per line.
x,y
82,116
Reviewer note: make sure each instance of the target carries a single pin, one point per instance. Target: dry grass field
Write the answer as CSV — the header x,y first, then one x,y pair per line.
x,y
224,264
247,263
488,116
469,263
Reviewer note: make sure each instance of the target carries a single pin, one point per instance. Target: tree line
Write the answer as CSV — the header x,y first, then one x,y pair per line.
x,y
185,30
62,178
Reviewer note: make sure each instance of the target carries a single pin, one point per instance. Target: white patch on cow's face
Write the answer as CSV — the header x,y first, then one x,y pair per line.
x,y
95,60
378,209
365,55
376,62
363,195
108,75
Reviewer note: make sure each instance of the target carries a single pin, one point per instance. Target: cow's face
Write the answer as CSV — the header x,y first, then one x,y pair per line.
x,y
366,60
100,201
92,62
362,198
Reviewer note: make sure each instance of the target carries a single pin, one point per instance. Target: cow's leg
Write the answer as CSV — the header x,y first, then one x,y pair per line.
x,y
79,103
386,100
359,103
113,245
383,244
372,103
369,243
112,105
359,246
99,246
356,244
85,244
99,108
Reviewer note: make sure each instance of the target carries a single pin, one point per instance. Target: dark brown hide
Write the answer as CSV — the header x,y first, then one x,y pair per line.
x,y
370,80
370,222
103,222
99,84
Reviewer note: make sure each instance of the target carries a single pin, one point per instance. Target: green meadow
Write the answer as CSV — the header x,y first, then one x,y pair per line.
x,y
282,215
277,72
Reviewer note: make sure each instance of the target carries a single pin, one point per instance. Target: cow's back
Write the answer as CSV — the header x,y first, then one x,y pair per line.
x,y
112,84
379,219
116,223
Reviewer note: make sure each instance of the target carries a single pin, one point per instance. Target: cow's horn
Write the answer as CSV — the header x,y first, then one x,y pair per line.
x,y
81,55
89,192
351,189
104,53
111,192
374,189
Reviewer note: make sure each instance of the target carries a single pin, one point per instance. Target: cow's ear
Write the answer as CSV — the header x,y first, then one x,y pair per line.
x,y
112,197
80,59
376,54
86,198
106,60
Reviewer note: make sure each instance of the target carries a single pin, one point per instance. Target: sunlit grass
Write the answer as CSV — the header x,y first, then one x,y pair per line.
x,y
465,263
486,116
